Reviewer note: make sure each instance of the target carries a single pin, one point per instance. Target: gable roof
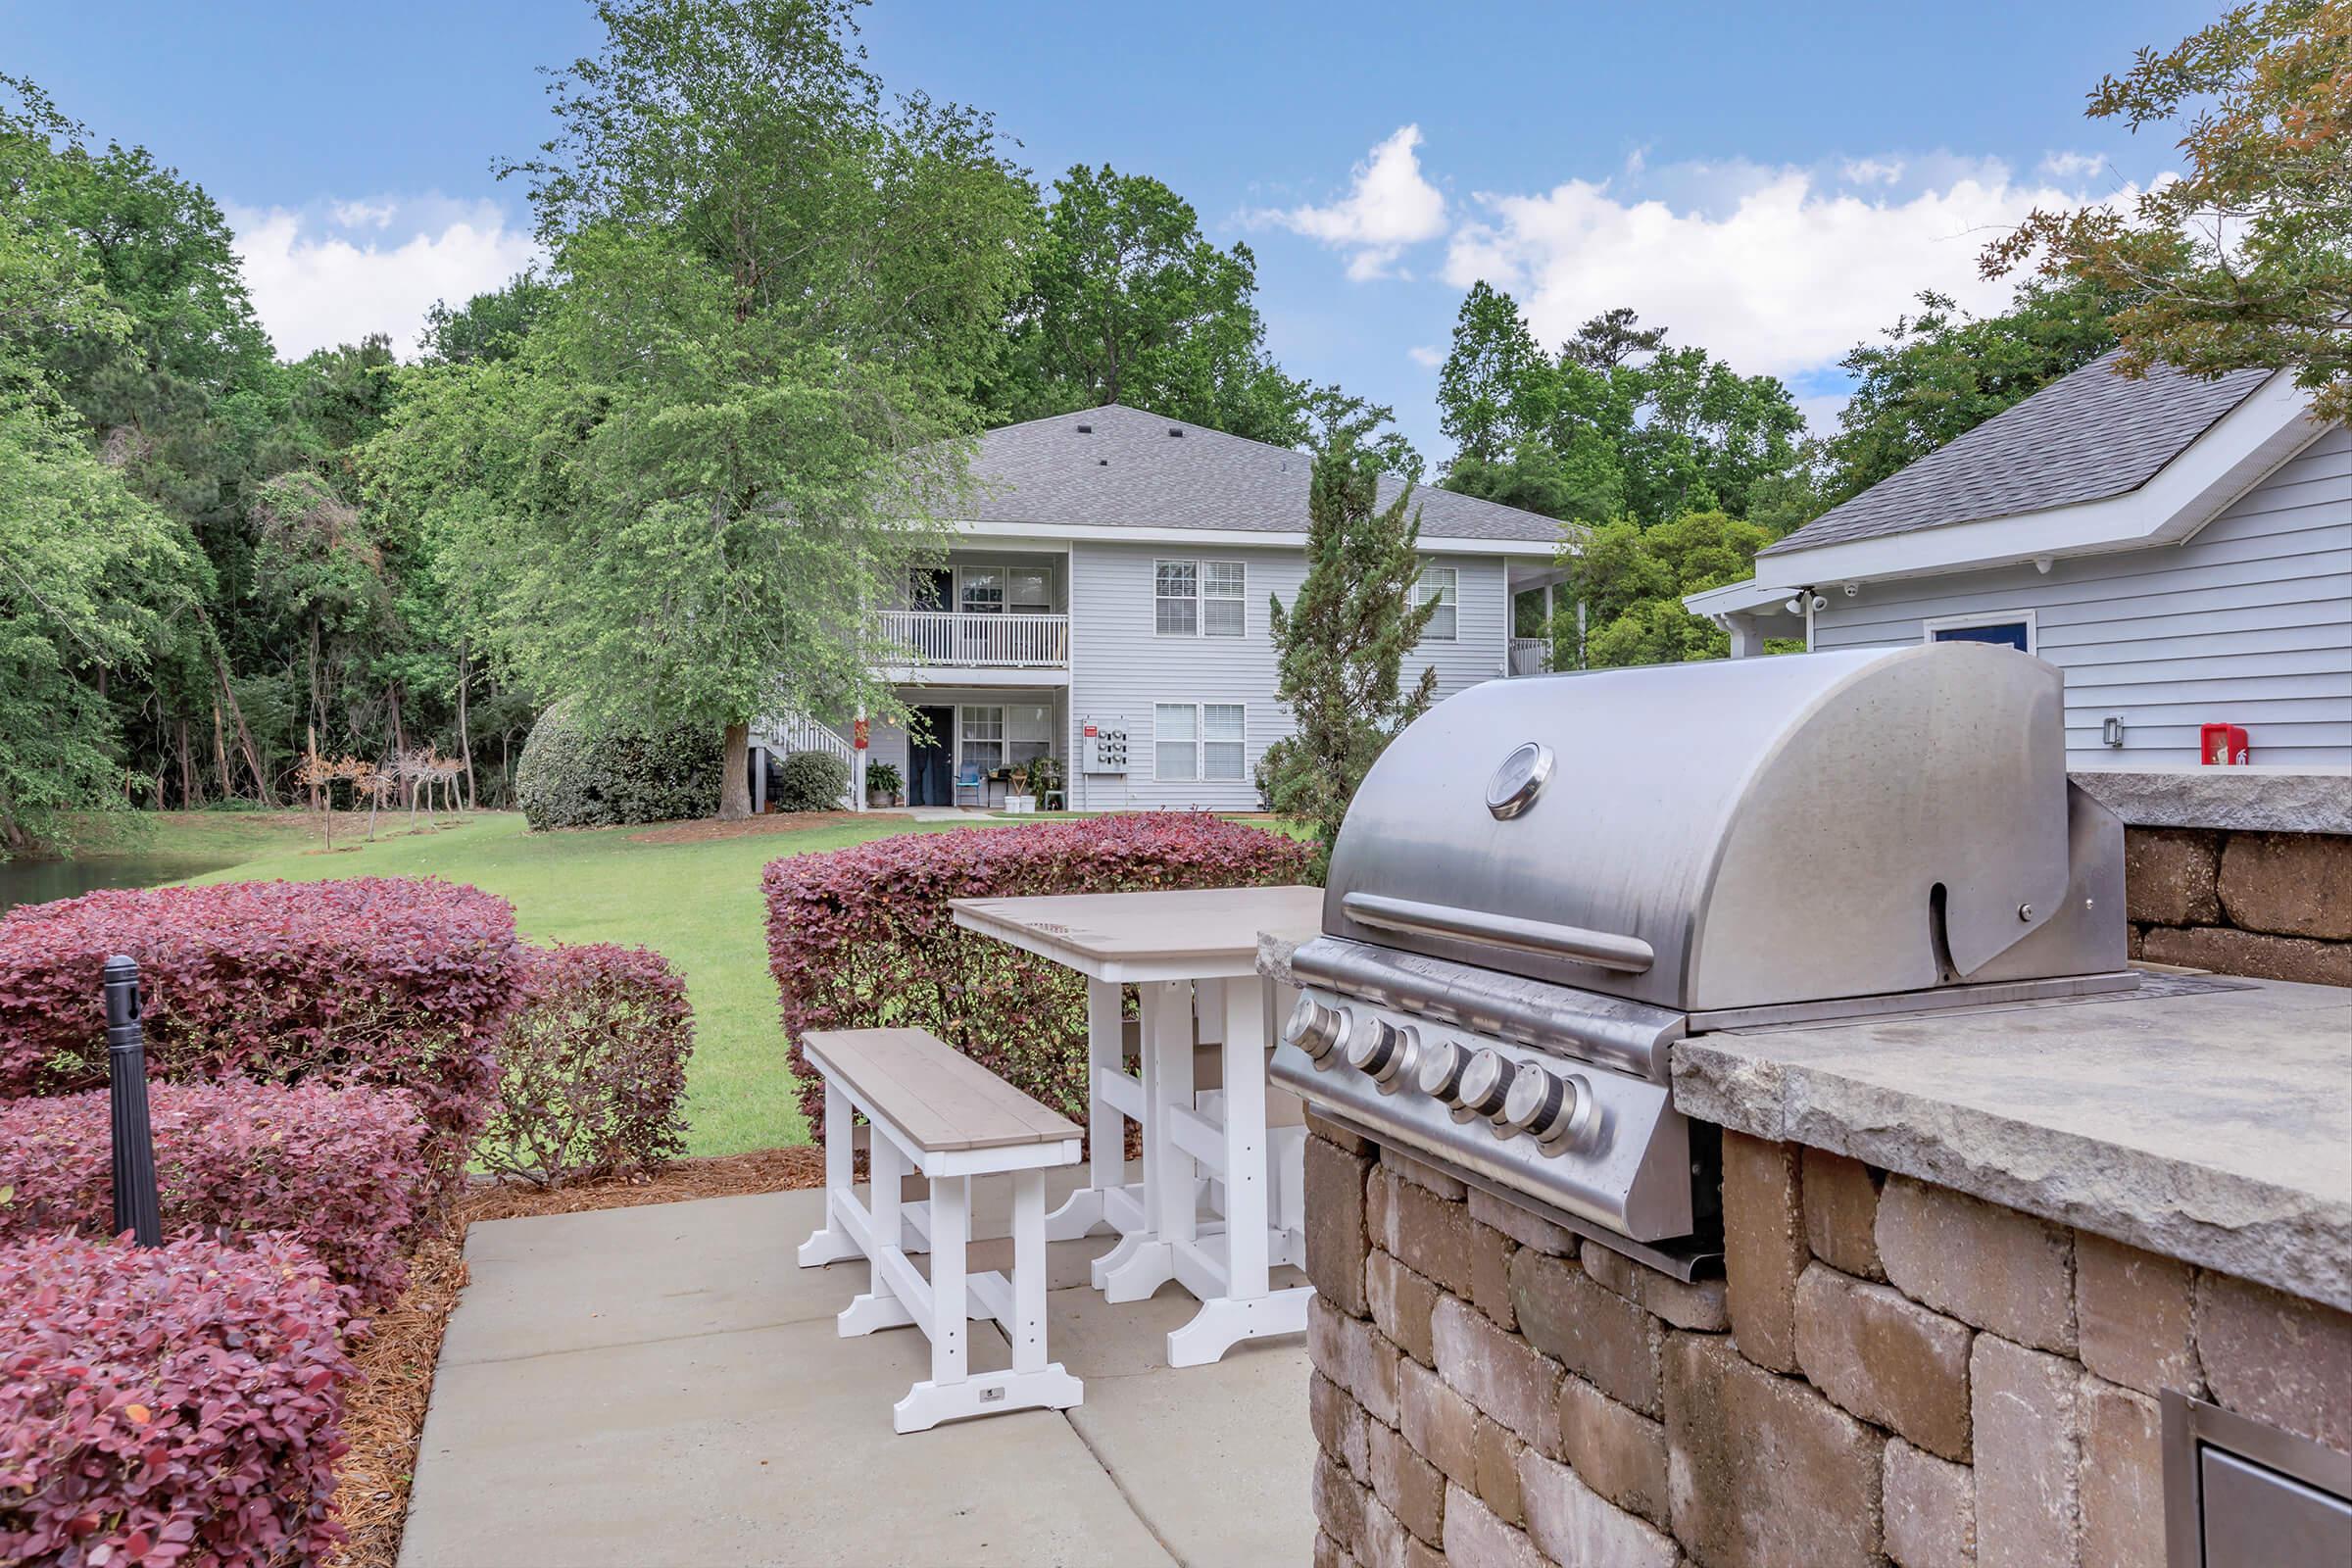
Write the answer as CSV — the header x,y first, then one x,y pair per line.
x,y
2087,436
1118,467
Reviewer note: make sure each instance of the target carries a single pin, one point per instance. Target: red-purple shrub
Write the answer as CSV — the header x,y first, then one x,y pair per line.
x,y
346,1171
862,936
592,1068
394,982
176,1404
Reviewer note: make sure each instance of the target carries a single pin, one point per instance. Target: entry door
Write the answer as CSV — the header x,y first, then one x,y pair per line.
x,y
931,758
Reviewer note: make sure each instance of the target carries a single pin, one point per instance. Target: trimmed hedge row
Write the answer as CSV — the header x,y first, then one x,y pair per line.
x,y
862,936
169,1404
391,982
344,1171
593,1068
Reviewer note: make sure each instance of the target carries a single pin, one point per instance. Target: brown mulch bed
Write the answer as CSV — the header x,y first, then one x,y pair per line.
x,y
774,822
384,1417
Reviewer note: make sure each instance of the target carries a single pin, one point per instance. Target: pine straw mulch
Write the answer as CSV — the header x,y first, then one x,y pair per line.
x,y
384,1417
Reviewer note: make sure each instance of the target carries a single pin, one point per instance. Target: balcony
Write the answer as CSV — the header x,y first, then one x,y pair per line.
x,y
932,640
1531,656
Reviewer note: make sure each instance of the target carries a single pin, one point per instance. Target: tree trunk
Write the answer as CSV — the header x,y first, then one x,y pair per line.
x,y
400,753
465,737
191,782
229,786
253,752
314,712
735,774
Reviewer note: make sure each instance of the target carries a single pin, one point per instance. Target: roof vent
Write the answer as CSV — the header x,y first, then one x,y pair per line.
x,y
1176,429
1086,429
1102,463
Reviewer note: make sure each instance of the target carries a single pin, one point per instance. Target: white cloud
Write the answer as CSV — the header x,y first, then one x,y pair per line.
x,y
1388,206
362,214
1426,354
1873,171
2070,166
314,290
1782,278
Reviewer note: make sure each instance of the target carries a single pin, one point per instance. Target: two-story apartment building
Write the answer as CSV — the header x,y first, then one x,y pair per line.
x,y
1114,577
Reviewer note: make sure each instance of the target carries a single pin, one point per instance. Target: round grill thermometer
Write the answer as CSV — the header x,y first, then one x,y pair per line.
x,y
1519,780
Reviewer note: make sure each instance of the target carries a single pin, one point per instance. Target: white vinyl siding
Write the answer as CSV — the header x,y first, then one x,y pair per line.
x,y
1200,599
1122,670
1443,584
2248,621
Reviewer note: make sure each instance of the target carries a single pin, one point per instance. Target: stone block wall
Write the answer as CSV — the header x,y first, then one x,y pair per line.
x,y
1892,1370
2269,904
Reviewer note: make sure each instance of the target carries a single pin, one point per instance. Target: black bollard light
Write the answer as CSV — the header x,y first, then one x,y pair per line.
x,y
135,1206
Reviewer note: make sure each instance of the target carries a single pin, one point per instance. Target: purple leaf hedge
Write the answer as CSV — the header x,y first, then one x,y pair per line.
x,y
344,1171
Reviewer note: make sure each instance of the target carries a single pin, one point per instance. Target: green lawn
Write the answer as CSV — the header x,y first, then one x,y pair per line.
x,y
697,903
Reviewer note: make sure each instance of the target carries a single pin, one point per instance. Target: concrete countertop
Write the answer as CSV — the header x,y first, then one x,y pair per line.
x,y
2213,1125
2258,798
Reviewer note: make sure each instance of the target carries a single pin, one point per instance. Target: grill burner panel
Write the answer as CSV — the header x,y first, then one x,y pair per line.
x,y
1543,883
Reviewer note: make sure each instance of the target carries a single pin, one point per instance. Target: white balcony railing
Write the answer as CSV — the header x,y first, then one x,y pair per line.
x,y
1013,640
1531,656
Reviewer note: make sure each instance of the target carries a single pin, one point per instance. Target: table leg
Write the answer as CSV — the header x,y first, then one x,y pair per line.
x,y
879,1308
830,1243
1145,1260
1081,1213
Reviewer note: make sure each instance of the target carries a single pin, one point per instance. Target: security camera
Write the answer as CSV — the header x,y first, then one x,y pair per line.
x,y
1853,590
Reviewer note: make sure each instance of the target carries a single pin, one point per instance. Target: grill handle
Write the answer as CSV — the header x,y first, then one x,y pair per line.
x,y
1602,948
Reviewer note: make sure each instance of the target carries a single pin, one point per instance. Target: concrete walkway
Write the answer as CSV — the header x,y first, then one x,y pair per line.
x,y
656,1386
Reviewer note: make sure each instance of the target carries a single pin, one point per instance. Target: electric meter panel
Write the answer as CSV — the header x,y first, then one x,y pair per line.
x,y
1106,751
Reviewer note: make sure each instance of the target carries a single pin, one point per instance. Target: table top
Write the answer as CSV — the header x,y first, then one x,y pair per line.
x,y
1184,934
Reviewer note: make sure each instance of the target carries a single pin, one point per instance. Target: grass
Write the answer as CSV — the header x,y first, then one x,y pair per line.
x,y
697,903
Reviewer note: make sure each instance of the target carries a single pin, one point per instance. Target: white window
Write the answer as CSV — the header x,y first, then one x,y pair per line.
x,y
2006,628
982,589
1028,733
1198,741
983,738
1200,598
1437,583
1033,589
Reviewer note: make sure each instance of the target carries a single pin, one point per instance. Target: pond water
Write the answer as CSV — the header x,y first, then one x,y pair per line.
x,y
40,881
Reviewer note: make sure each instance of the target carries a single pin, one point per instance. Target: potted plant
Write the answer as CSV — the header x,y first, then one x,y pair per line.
x,y
1017,790
883,786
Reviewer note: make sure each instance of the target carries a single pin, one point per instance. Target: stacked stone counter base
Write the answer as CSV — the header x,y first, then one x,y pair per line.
x,y
1894,1370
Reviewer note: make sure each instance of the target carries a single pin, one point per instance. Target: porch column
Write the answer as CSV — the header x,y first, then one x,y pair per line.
x,y
858,749
1747,641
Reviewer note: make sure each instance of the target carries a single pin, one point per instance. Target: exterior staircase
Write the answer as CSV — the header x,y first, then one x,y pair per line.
x,y
790,734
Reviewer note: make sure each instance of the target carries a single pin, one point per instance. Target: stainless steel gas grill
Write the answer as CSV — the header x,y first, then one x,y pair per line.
x,y
1544,882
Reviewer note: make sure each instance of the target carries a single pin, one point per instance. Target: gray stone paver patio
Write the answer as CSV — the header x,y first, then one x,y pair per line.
x,y
661,1384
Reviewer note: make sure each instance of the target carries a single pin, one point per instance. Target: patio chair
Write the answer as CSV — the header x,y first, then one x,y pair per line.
x,y
969,779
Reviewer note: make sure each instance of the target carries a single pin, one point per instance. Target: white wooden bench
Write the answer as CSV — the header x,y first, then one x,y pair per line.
x,y
939,1114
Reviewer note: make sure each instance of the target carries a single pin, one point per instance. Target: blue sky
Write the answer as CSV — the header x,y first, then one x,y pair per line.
x,y
1772,186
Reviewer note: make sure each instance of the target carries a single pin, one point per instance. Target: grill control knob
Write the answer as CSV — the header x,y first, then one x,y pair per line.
x,y
1485,1084
1440,1071
1316,1029
1384,1053
1556,1109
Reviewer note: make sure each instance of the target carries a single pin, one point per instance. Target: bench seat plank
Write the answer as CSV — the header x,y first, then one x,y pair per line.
x,y
940,1097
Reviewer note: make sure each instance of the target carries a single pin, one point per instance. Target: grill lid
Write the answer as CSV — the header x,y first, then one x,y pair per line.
x,y
1741,833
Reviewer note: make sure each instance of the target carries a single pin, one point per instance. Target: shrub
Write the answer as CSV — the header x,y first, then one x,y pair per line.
x,y
811,781
574,773
401,984
174,1404
592,1070
342,1170
862,936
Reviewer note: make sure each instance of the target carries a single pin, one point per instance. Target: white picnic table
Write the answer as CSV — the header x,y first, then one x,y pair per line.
x,y
1170,946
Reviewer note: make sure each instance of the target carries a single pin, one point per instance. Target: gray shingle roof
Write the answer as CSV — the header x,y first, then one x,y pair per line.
x,y
1129,471
2087,436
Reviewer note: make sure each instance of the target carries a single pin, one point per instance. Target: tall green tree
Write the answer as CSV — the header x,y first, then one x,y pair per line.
x,y
1129,302
740,415
2245,260
1630,581
1340,645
